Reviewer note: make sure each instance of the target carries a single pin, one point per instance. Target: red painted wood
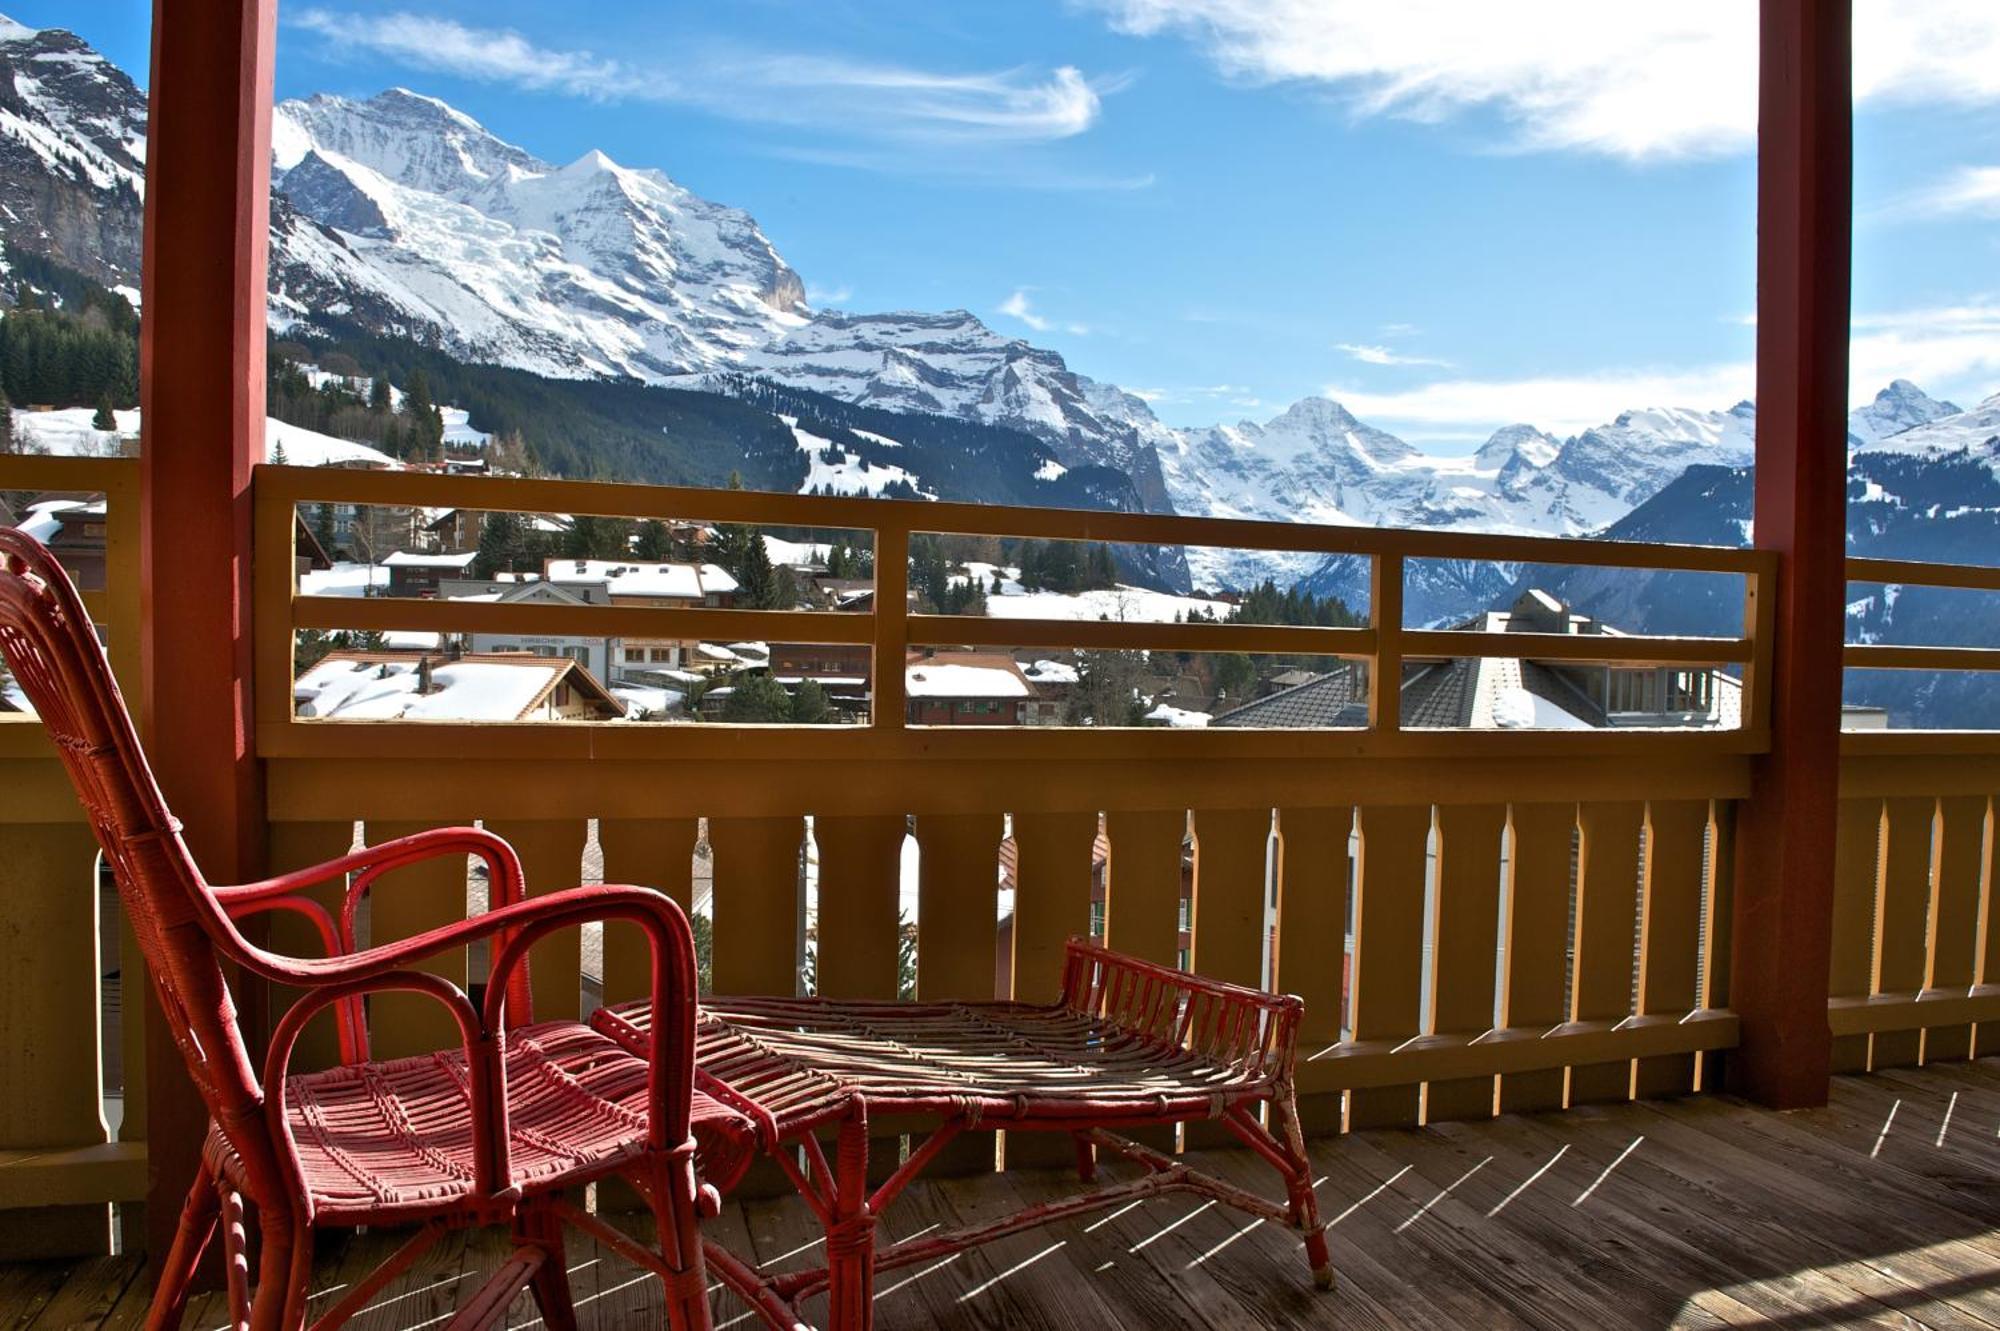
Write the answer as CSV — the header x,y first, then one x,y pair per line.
x,y
202,393
1785,841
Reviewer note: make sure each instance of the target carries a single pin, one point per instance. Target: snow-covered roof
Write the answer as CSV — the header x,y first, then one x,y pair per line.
x,y
410,559
942,679
682,582
1050,672
1164,714
44,519
381,686
345,578
412,640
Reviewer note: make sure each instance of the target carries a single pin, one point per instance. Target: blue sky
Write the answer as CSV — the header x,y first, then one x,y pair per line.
x,y
1433,210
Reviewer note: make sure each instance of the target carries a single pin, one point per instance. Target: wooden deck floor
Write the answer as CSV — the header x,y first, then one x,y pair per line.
x,y
1881,1210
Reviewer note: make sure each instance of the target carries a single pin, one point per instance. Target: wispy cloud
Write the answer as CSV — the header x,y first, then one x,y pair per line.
x,y
1370,354
832,97
835,295
1971,191
1636,81
1021,309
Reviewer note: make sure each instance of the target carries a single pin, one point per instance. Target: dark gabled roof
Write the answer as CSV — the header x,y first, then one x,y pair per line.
x,y
1544,682
1439,695
1332,699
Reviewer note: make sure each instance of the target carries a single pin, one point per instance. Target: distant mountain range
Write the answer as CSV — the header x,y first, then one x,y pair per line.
x,y
401,219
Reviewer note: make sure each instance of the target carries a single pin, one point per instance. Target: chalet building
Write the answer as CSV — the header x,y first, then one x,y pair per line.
x,y
377,686
71,525
599,655
627,582
966,689
1513,693
420,575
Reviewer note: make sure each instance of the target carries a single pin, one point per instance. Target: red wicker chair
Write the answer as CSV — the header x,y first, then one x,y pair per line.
x,y
492,1132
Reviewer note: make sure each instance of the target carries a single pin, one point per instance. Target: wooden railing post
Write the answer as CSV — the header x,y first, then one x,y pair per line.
x,y
1385,613
202,395
1785,834
892,626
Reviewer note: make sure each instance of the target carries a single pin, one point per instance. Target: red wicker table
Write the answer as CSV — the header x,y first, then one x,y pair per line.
x,y
1128,1044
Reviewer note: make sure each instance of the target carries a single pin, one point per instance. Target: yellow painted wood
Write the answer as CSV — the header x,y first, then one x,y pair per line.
x,y
1388,951
1716,953
49,1047
958,878
1136,635
1052,901
1902,907
1957,861
1143,895
646,852
552,857
860,862
1986,948
401,905
1670,934
1231,859
1536,938
1607,893
1857,867
757,904
291,847
1464,947
1313,875
1313,870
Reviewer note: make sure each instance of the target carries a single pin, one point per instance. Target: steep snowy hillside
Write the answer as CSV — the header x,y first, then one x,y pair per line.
x,y
590,268
72,153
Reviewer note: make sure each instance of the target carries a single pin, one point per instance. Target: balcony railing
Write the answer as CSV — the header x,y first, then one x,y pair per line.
x,y
1479,922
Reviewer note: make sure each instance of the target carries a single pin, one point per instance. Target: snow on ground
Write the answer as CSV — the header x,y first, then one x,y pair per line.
x,y
343,579
847,475
794,554
68,432
458,431
646,704
1050,672
1050,470
309,448
1130,605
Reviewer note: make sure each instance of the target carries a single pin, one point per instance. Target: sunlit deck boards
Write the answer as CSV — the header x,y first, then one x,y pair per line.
x,y
1881,1210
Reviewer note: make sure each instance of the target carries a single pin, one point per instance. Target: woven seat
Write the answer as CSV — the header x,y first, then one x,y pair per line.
x,y
382,1138
800,1059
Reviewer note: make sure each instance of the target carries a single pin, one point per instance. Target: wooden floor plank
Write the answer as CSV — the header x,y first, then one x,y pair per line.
x,y
1700,1212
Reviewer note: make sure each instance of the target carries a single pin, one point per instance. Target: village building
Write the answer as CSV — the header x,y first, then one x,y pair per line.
x,y
421,575
375,686
966,689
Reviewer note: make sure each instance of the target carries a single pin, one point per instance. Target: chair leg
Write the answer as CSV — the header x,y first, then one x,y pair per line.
x,y
538,1226
1086,1158
672,1191
850,1237
235,1257
191,1240
1299,1186
284,1273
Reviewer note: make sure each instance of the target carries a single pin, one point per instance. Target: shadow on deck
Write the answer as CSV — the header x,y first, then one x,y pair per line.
x,y
1882,1209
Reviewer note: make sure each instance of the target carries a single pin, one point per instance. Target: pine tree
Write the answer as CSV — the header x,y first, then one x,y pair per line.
x,y
323,527
6,424
757,698
380,399
499,545
756,581
809,705
104,420
653,543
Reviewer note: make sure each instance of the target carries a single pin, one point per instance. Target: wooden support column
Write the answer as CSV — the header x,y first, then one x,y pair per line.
x,y
1785,841
202,393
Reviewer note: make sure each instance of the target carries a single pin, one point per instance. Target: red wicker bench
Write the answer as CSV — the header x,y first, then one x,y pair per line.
x,y
1128,1044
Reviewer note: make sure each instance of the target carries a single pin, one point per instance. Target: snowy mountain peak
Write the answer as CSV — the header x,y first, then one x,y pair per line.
x,y
1899,407
1524,444
10,31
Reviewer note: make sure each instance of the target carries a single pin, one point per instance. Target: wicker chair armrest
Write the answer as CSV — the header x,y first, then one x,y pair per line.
x,y
484,1067
1234,1024
350,1016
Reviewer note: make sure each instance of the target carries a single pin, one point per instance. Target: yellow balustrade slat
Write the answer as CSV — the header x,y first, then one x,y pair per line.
x,y
860,872
759,904
1231,855
1051,898
958,880
49,968
1536,938
383,613
551,854
1448,644
1857,867
1894,656
402,904
1388,951
1464,946
977,631
646,852
1975,576
291,847
1310,951
1956,864
1607,906
1143,892
1902,907
1670,933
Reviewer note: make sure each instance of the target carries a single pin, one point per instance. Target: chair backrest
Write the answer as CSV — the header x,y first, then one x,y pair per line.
x,y
52,648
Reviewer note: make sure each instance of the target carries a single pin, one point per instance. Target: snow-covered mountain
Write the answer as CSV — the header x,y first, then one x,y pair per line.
x,y
586,269
1899,407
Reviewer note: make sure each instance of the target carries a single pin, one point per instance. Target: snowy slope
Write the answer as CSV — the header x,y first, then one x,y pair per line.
x,y
69,433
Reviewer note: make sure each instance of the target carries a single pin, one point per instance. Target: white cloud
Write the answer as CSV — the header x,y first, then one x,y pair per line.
x,y
1369,354
846,99
836,295
1019,308
1971,191
1560,404
1628,80
1947,349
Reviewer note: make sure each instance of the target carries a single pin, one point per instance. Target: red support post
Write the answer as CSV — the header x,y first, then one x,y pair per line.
x,y
201,376
1785,837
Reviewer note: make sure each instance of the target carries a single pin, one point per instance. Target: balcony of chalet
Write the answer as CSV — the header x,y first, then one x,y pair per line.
x,y
1646,995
